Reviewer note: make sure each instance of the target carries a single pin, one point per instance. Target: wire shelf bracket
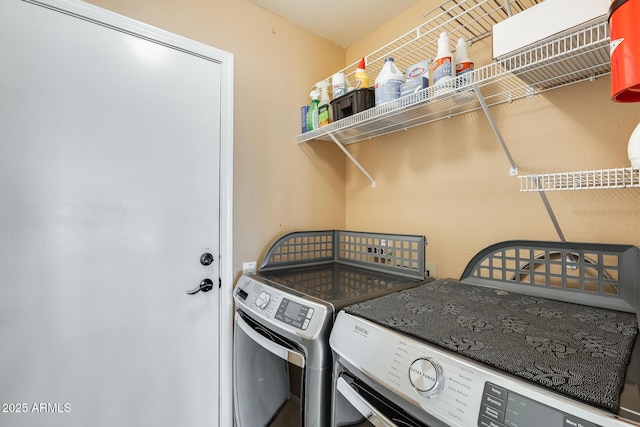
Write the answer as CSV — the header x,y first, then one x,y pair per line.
x,y
552,216
353,159
513,171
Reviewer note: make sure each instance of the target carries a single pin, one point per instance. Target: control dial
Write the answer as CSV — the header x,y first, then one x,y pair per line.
x,y
262,300
426,376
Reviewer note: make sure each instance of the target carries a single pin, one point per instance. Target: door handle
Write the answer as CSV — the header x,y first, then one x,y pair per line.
x,y
365,408
283,353
205,286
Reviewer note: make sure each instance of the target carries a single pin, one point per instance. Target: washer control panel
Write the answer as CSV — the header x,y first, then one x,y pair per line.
x,y
502,407
279,308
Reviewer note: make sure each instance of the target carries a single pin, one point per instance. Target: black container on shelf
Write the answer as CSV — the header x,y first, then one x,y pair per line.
x,y
353,102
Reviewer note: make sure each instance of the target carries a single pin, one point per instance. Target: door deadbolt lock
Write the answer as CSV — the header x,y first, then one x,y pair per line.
x,y
206,258
205,286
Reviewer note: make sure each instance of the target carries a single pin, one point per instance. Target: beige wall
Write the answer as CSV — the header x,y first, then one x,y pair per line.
x,y
450,180
278,185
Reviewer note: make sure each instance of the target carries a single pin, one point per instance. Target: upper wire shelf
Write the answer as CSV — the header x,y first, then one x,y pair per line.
x,y
577,56
471,19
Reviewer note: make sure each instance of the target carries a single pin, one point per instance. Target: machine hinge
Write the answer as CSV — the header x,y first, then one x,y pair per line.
x,y
219,283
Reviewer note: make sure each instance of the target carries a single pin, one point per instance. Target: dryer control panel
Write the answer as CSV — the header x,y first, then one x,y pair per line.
x,y
280,309
294,313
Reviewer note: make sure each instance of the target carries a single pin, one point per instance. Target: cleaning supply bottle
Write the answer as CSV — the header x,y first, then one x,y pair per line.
x,y
389,82
312,114
324,103
338,84
443,71
464,65
362,78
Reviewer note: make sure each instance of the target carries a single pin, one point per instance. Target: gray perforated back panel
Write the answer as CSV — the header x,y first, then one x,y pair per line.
x,y
597,275
391,253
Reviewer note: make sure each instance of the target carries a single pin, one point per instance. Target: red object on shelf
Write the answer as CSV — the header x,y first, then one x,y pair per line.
x,y
624,24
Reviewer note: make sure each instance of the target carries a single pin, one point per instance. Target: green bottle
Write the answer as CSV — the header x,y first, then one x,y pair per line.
x,y
312,114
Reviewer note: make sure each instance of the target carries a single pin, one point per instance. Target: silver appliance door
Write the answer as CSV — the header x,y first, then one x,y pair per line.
x,y
267,377
356,404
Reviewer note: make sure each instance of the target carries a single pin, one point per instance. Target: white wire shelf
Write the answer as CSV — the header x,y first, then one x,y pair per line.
x,y
578,56
471,19
582,180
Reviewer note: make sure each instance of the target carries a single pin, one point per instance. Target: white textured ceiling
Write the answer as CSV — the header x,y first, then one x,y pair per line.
x,y
340,21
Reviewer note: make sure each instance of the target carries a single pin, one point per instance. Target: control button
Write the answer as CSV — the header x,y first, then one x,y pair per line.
x,y
305,324
426,376
485,422
310,313
242,294
494,390
571,421
493,401
492,413
262,300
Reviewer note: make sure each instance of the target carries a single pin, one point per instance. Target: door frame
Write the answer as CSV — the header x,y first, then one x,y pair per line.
x,y
100,16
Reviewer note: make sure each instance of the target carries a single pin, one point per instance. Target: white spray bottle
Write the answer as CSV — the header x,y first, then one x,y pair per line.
x,y
443,70
464,65
324,103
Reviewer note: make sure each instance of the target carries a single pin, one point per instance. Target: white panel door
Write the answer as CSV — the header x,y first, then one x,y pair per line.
x,y
109,195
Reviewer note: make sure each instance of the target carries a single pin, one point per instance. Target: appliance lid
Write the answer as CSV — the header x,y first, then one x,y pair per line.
x,y
338,284
580,351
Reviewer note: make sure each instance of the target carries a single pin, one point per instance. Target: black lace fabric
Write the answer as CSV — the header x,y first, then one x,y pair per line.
x,y
577,350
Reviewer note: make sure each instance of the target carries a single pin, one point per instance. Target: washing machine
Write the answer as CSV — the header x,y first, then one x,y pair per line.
x,y
533,334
